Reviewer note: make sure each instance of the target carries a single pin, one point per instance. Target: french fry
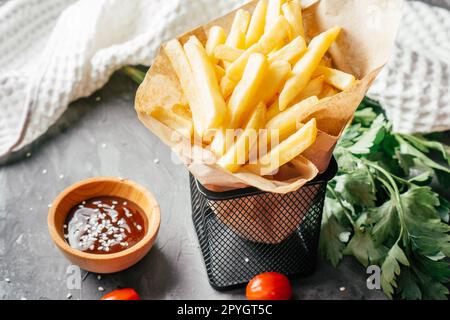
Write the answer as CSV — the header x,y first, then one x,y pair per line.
x,y
180,63
292,10
336,78
273,110
244,97
273,12
327,92
238,154
226,87
220,72
277,74
290,52
314,88
212,102
277,34
216,36
257,24
287,150
173,120
286,122
236,38
305,67
227,53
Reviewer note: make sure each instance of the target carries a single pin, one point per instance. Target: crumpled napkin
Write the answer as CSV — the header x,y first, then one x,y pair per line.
x,y
53,52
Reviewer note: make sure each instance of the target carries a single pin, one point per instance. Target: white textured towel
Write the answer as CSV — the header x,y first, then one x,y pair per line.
x,y
53,52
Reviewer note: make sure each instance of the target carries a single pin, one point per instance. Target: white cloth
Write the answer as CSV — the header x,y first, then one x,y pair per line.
x,y
53,52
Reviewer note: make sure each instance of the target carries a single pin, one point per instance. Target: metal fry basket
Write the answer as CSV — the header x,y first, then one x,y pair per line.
x,y
246,232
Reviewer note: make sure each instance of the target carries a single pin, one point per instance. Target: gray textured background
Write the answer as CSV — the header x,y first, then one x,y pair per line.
x,y
101,135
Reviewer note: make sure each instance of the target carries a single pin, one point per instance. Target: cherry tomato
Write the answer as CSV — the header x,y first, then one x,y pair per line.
x,y
122,294
269,286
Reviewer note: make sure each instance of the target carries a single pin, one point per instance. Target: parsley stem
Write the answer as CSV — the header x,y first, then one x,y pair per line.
x,y
394,191
347,214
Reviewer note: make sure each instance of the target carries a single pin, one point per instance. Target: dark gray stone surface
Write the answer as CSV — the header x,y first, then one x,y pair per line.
x,y
105,138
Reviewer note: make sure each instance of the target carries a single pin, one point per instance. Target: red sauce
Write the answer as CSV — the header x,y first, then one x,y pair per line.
x,y
104,225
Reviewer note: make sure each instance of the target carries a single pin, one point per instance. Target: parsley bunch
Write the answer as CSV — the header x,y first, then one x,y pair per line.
x,y
382,210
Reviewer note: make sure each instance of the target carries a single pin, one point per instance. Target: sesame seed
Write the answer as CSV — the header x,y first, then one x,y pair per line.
x,y
98,99
65,226
101,289
342,289
69,295
156,161
44,171
246,259
125,203
103,145
7,280
139,227
61,176
99,277
49,205
28,154
23,298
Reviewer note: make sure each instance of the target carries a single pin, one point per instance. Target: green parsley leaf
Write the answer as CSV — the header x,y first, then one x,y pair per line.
x,y
370,139
356,188
390,269
363,248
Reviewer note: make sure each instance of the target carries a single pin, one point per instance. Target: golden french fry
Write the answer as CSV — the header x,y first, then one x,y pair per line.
x,y
236,38
292,10
238,154
244,98
219,144
227,53
336,78
173,120
305,67
273,110
216,36
226,87
273,12
180,63
220,72
277,74
327,92
287,150
290,52
286,122
212,102
257,24
277,34
314,88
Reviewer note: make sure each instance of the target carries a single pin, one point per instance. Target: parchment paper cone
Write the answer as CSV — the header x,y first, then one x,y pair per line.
x,y
363,48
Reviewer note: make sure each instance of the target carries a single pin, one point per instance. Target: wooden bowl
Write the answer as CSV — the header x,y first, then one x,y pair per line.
x,y
97,187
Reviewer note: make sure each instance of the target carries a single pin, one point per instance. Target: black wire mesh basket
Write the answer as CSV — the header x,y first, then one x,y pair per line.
x,y
246,232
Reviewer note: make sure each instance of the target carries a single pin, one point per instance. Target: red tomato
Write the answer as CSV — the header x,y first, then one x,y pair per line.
x,y
269,286
122,294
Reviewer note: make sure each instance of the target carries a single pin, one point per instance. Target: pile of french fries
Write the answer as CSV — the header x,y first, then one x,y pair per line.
x,y
253,81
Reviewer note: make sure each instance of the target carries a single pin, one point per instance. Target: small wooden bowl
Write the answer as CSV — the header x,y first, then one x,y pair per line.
x,y
97,187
